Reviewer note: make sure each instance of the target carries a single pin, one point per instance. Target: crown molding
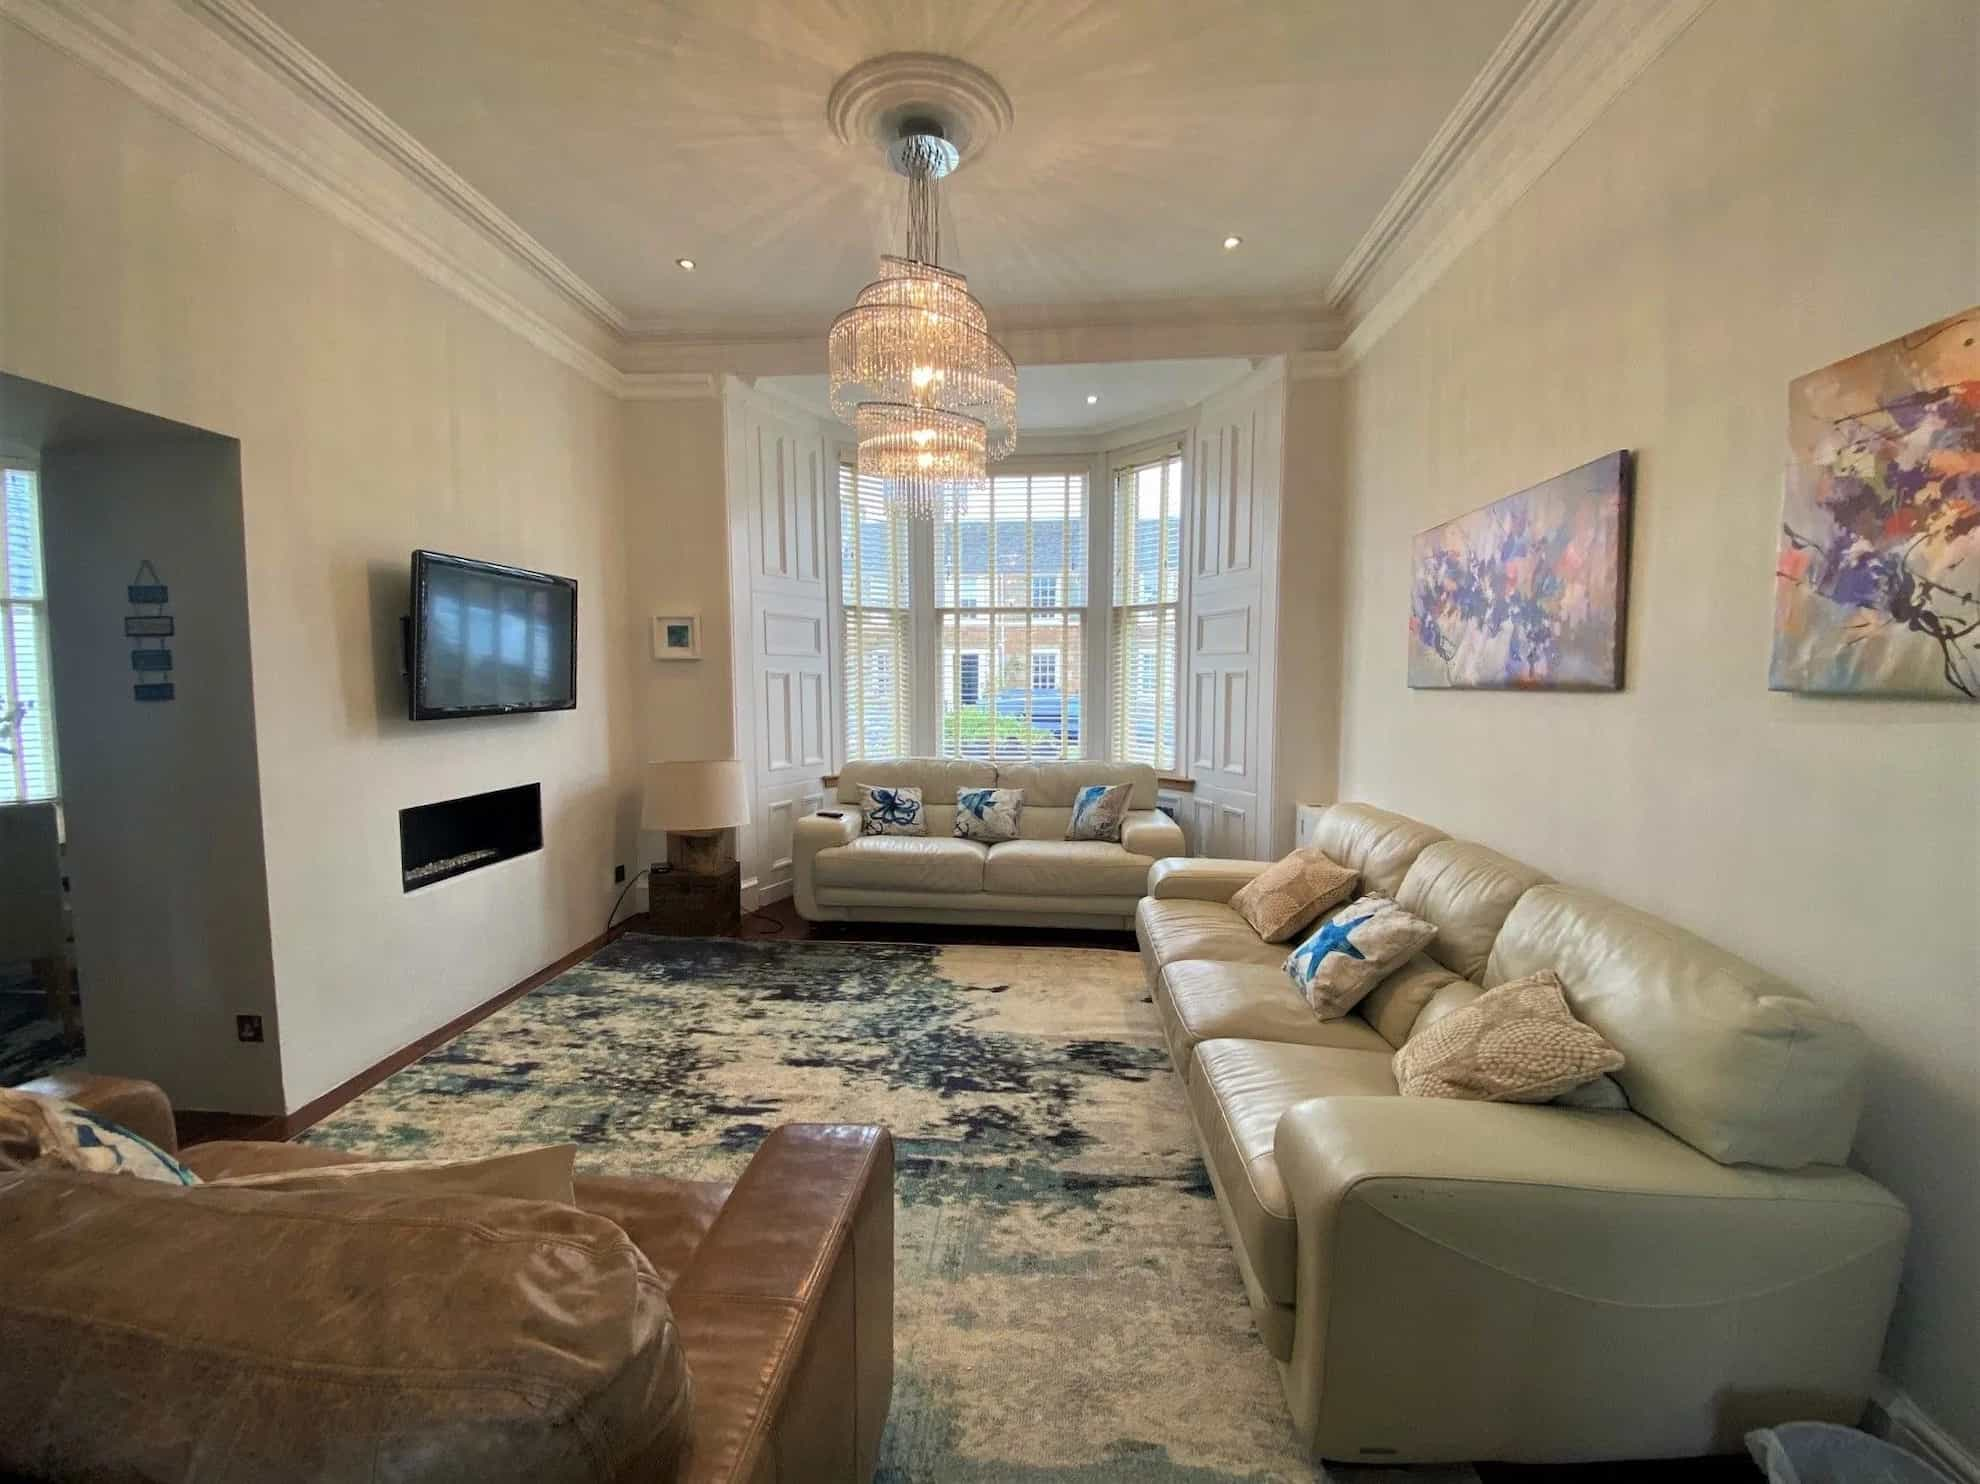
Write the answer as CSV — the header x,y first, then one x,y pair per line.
x,y
668,386
1563,63
1316,365
202,76
256,34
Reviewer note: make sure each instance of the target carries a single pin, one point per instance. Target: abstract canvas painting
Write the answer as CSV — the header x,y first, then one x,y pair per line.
x,y
1528,593
1877,583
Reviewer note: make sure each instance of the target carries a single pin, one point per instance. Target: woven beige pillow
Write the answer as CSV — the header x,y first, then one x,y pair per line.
x,y
1518,1043
1286,896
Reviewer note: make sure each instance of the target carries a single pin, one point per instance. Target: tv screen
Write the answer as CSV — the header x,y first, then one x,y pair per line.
x,y
488,639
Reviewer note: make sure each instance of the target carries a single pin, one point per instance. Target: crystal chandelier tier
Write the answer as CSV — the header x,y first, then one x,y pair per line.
x,y
914,369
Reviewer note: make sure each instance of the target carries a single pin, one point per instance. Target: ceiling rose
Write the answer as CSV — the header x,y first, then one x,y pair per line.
x,y
913,366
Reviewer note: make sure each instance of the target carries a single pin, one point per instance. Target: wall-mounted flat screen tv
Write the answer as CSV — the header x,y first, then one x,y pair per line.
x,y
488,640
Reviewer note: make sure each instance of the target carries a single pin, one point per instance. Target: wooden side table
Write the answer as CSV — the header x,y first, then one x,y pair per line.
x,y
691,904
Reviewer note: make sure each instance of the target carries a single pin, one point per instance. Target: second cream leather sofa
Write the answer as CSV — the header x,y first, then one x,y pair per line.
x,y
1041,879
1447,1281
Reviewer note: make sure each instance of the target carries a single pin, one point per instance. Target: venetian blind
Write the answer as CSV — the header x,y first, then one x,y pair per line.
x,y
874,633
1147,550
1010,595
27,721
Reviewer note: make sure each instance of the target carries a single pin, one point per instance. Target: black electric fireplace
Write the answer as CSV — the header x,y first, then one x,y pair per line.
x,y
457,835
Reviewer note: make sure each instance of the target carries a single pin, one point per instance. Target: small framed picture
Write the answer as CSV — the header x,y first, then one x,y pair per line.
x,y
677,637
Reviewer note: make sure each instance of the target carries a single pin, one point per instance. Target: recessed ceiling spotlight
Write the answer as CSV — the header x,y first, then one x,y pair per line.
x,y
688,263
1091,399
1233,242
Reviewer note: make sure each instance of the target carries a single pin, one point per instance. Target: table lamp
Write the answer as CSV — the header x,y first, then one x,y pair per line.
x,y
694,802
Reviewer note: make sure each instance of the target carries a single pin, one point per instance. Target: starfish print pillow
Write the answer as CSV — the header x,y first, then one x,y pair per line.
x,y
1354,950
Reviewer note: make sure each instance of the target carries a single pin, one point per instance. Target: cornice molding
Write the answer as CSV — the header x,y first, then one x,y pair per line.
x,y
203,77
668,386
234,78
256,34
1560,67
1316,365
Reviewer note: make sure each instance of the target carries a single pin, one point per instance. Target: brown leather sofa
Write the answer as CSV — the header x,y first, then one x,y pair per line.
x,y
781,1286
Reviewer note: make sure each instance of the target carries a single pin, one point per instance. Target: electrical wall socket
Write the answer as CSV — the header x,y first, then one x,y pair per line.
x,y
248,1027
618,874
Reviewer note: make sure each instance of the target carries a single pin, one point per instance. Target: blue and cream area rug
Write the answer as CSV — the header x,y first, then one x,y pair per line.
x,y
1067,1305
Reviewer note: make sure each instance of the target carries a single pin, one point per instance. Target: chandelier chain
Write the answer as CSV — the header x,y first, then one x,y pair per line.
x,y
924,227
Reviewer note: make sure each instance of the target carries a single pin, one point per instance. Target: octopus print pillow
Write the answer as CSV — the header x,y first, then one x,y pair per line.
x,y
891,811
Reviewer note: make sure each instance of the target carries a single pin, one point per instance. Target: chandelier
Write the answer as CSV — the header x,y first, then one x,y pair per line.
x,y
932,397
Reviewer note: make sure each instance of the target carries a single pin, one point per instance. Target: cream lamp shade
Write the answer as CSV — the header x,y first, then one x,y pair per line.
x,y
692,797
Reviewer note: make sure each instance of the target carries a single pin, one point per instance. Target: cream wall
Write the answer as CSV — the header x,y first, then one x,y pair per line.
x,y
161,799
376,413
676,539
1308,686
1793,181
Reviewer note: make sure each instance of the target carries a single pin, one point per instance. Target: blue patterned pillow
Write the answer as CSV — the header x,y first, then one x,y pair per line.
x,y
891,811
1352,951
35,1129
988,814
1098,811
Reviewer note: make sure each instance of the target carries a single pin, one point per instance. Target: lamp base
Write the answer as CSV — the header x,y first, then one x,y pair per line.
x,y
700,853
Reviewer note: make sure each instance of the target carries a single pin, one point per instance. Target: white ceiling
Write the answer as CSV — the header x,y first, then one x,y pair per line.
x,y
626,133
1052,399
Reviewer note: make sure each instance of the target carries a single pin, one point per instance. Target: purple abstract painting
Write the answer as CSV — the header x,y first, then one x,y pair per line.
x,y
1528,593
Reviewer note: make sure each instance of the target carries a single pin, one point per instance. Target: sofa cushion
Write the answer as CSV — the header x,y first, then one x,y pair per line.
x,y
903,863
1236,1096
403,1337
1282,900
1202,1000
1466,890
1069,868
1057,785
665,1218
938,778
1726,1057
539,1174
1380,845
1394,1006
1171,929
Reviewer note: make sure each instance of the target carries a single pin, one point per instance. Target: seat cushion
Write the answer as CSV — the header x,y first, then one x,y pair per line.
x,y
1068,868
1171,930
1202,1000
1236,1097
903,863
405,1337
665,1218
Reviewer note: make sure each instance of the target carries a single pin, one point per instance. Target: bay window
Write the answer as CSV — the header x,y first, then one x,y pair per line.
x,y
969,636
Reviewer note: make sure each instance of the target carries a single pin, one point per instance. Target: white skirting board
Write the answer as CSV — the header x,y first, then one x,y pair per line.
x,y
1898,1419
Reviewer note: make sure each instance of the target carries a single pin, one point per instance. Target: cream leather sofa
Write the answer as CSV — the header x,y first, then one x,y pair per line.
x,y
1447,1281
1041,879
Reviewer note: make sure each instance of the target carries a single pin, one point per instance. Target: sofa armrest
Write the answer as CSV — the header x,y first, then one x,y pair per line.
x,y
1200,878
813,833
1150,832
786,1312
1590,1234
141,1107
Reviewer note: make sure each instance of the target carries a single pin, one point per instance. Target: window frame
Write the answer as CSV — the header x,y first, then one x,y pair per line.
x,y
14,765
1125,461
